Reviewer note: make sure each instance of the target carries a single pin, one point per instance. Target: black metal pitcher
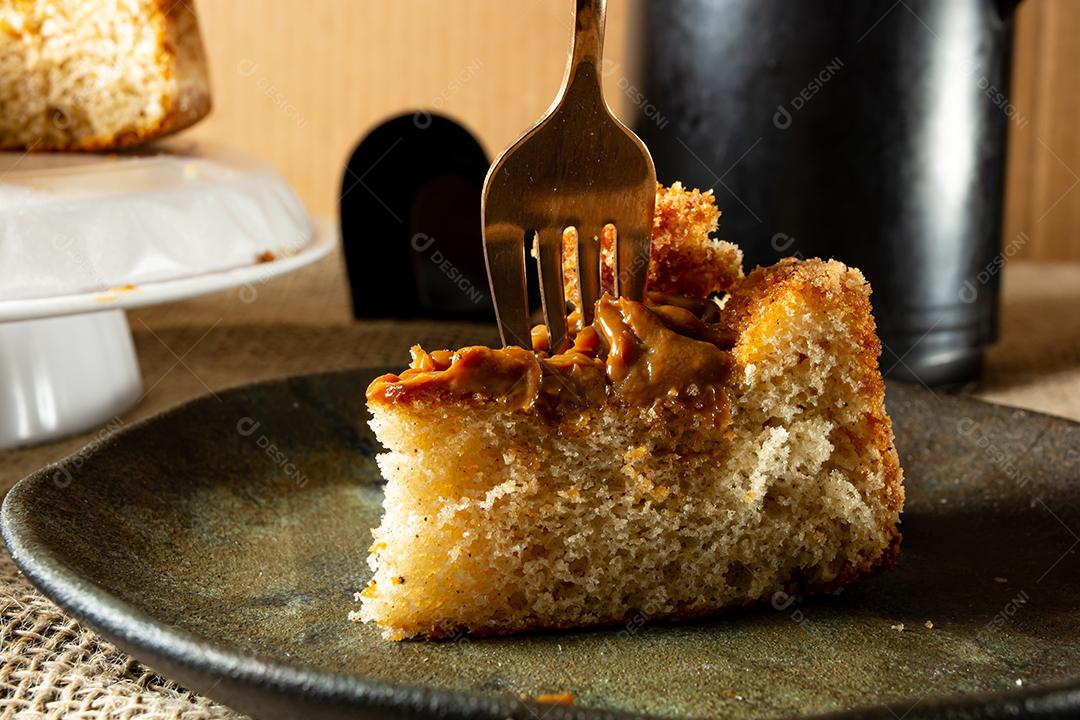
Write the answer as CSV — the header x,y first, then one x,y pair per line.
x,y
872,131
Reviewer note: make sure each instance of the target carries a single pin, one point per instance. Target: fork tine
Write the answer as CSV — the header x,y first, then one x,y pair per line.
x,y
588,265
547,247
504,255
632,245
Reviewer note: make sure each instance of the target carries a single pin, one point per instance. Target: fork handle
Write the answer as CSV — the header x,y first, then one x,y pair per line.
x,y
588,43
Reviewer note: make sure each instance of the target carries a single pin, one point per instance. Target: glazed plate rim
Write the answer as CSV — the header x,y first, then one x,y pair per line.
x,y
185,656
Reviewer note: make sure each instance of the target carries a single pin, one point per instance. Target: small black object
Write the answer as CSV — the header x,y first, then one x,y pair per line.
x,y
865,130
410,221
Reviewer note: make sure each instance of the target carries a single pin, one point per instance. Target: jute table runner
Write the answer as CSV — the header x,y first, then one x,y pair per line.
x,y
51,667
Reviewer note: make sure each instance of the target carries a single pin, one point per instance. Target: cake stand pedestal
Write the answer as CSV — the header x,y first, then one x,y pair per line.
x,y
64,375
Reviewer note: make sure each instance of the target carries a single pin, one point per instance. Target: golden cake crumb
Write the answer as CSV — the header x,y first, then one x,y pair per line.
x,y
562,698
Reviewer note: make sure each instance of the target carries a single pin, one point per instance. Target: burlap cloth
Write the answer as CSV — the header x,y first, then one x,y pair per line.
x,y
52,667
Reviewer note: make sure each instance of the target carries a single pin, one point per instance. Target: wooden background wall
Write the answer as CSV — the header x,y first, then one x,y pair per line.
x,y
1042,199
299,82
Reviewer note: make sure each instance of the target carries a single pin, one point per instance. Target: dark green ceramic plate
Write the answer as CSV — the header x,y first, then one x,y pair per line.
x,y
221,543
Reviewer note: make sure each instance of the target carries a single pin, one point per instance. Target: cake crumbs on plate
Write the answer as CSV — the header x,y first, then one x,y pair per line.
x,y
113,293
561,698
265,257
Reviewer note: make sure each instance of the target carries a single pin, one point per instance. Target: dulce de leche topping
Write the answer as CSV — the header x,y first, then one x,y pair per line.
x,y
633,353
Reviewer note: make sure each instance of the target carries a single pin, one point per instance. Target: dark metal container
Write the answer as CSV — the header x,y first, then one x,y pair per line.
x,y
872,131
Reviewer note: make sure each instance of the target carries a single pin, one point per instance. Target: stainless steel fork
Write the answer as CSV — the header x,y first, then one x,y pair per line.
x,y
577,167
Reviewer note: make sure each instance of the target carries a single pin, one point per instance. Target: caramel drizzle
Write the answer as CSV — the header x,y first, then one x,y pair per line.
x,y
632,353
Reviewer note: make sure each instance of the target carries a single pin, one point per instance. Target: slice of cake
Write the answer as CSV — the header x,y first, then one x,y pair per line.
x,y
98,74
685,456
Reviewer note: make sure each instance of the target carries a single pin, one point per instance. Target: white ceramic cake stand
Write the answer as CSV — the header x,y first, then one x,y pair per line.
x,y
133,232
